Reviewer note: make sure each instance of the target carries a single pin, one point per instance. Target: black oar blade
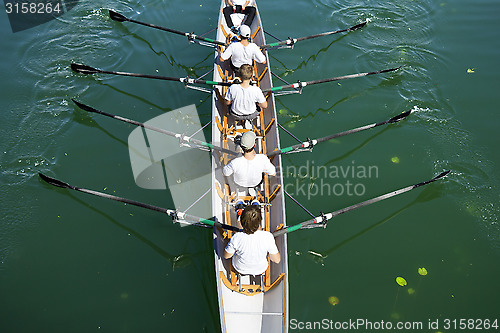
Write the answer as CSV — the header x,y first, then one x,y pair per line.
x,y
441,175
117,17
388,70
85,107
399,117
53,181
358,26
84,69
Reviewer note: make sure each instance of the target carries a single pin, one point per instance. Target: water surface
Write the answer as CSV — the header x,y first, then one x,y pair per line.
x,y
70,262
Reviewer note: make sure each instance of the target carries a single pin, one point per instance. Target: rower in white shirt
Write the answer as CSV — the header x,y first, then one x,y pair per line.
x,y
244,98
248,169
244,51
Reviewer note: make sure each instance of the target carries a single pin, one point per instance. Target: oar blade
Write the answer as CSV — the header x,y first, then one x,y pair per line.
x,y
84,69
84,107
441,175
117,17
357,26
53,181
388,70
399,117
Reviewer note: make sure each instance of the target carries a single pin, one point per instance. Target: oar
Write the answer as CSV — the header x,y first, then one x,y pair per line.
x,y
156,129
300,84
312,143
325,217
84,69
120,18
172,213
292,41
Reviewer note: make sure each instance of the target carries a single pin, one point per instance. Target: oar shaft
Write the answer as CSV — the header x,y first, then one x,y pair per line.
x,y
186,34
337,78
311,143
355,27
170,212
292,41
352,76
146,76
84,69
326,217
306,144
153,128
157,27
355,130
124,200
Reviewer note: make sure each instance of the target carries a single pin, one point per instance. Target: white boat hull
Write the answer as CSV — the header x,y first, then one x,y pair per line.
x,y
261,312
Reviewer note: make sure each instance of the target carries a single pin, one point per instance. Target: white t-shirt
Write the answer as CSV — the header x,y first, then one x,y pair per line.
x,y
244,99
248,173
250,251
240,2
241,54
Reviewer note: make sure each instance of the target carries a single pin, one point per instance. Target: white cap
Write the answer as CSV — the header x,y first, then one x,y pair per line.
x,y
245,31
248,140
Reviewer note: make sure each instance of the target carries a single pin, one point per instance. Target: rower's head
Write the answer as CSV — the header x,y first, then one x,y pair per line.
x,y
251,219
246,72
245,31
247,142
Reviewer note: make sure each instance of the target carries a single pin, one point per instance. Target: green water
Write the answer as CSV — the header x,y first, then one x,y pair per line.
x,y
70,262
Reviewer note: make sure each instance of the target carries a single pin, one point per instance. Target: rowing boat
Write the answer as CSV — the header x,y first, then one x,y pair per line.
x,y
251,307
246,303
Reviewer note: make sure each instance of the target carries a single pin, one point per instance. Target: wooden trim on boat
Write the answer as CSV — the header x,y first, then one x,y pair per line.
x,y
262,74
255,32
247,287
268,127
219,125
275,192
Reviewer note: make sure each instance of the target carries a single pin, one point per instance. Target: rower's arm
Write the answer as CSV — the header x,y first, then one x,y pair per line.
x,y
228,255
276,258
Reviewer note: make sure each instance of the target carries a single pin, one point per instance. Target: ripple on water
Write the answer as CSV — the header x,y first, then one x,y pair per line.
x,y
400,33
472,182
43,109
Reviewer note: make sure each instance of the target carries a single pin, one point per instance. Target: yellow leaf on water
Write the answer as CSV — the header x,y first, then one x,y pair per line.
x,y
422,271
470,70
333,300
401,281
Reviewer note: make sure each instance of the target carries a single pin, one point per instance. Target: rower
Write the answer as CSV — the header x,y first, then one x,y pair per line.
x,y
244,51
248,169
238,7
244,98
250,248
